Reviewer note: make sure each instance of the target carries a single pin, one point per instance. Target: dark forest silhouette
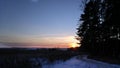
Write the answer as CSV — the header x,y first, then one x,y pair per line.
x,y
99,33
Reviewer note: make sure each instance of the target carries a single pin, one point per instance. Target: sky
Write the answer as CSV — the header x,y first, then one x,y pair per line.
x,y
38,23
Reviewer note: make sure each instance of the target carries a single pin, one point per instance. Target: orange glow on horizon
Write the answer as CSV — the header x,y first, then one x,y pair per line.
x,y
74,45
44,42
56,42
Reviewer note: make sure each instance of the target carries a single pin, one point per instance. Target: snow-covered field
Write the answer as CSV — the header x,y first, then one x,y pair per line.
x,y
80,61
77,62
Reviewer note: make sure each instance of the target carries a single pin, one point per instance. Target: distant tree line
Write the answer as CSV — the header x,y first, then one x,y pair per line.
x,y
99,28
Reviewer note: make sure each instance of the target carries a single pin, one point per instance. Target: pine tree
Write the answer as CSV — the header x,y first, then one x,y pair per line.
x,y
88,29
111,28
99,32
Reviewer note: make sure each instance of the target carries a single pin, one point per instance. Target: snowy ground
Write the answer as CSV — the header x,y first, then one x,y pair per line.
x,y
79,62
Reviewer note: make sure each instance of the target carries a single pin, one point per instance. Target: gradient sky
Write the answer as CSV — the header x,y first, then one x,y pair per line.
x,y
38,23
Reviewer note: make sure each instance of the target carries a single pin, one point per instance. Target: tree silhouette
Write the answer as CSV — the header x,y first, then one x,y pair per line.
x,y
111,27
88,29
99,32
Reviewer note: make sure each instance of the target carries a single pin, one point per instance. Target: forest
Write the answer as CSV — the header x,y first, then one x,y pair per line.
x,y
99,28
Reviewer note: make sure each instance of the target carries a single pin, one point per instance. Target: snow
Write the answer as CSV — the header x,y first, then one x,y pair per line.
x,y
77,62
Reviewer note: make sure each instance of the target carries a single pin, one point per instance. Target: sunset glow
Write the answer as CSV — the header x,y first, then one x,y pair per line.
x,y
73,42
42,42
74,45
56,42
38,23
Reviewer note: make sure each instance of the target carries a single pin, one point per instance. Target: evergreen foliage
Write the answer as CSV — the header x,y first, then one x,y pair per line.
x,y
99,32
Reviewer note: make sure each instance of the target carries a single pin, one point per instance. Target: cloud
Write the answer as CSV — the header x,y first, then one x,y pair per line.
x,y
4,46
34,0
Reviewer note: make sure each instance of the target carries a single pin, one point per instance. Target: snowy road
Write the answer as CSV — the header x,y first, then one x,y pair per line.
x,y
80,63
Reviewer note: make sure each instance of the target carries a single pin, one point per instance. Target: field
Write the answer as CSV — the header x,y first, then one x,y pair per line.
x,y
22,57
48,58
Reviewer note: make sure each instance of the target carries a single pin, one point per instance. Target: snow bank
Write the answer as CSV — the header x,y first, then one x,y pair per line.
x,y
76,62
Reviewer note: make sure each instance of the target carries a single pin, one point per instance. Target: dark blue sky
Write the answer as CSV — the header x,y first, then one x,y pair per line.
x,y
28,19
